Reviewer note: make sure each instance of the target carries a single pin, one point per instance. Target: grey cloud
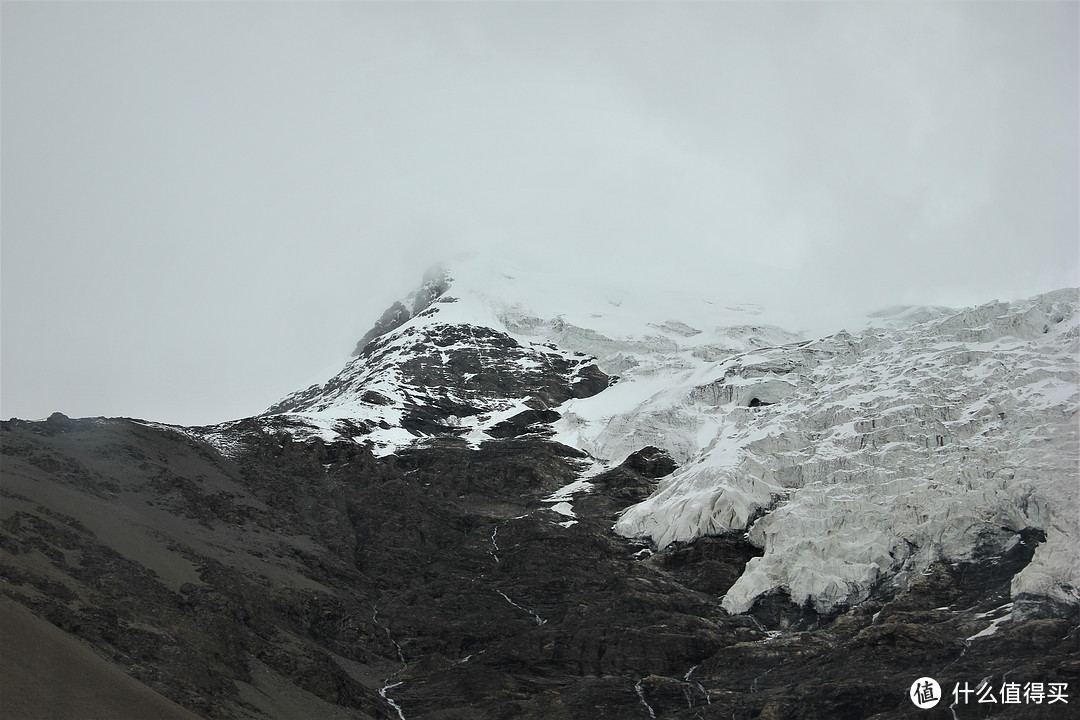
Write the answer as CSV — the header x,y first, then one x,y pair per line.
x,y
206,204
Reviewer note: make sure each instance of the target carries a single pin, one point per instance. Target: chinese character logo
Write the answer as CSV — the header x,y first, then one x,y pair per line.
x,y
925,693
1011,693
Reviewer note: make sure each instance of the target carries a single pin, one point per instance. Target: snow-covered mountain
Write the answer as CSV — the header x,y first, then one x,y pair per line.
x,y
854,460
529,494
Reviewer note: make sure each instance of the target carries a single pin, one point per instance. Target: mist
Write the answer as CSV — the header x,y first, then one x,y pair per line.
x,y
205,205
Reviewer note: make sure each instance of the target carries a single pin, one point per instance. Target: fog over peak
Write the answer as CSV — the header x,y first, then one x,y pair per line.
x,y
206,205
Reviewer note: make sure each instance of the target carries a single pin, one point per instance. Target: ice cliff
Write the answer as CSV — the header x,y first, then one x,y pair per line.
x,y
871,455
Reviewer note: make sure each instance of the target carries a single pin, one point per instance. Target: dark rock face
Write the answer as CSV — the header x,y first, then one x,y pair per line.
x,y
394,317
305,579
524,422
436,283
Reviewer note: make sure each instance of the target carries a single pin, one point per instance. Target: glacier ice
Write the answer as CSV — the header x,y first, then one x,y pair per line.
x,y
891,449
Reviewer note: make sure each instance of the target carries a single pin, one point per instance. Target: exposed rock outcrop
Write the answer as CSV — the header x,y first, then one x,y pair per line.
x,y
436,282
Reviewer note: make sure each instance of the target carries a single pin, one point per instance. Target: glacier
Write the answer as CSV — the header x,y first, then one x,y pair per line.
x,y
887,450
854,460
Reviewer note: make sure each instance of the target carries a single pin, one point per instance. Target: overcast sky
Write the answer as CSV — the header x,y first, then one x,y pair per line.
x,y
205,205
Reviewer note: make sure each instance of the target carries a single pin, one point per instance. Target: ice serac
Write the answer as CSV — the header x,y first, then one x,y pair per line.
x,y
869,456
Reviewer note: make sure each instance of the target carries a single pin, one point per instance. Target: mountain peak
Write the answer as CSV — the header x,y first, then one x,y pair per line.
x,y
500,338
